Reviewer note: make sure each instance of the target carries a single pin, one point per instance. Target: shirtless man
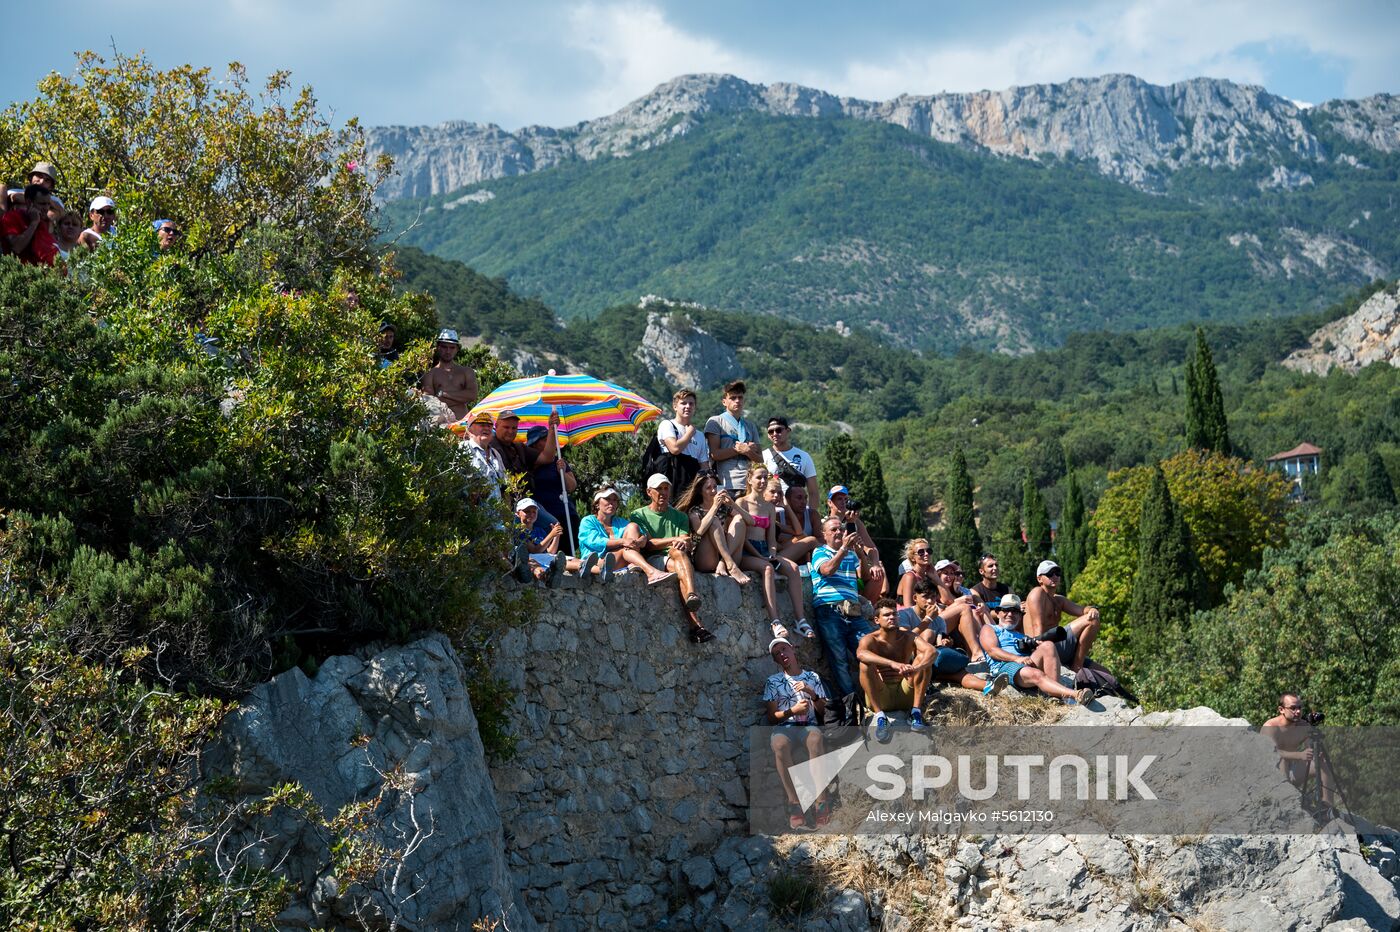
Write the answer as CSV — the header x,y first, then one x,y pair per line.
x,y
1296,758
455,385
895,668
1043,610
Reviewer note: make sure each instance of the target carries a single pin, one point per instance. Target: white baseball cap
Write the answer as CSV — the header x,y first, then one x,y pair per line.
x,y
526,503
776,641
943,565
102,201
1046,567
656,479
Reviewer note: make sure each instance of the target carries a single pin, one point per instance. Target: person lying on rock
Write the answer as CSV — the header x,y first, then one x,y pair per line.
x,y
795,700
610,537
1043,610
950,661
667,545
1026,663
896,666
536,552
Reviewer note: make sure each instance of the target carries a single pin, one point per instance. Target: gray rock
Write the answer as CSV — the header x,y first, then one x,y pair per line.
x,y
1368,336
699,873
675,349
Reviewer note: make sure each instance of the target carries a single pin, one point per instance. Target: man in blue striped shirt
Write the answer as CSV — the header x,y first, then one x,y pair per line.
x,y
836,574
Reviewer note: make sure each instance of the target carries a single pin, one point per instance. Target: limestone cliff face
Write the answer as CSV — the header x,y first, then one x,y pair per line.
x,y
1371,335
684,355
1134,131
626,805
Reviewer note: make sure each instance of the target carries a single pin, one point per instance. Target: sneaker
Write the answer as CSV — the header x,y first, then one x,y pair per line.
x,y
555,573
996,685
779,629
585,570
882,728
916,720
606,573
1084,696
520,564
805,629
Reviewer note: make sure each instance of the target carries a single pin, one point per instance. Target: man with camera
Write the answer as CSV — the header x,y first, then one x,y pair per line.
x,y
1025,662
1299,756
836,572
845,509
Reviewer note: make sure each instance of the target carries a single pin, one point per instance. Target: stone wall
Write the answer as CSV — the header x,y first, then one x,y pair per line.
x,y
632,760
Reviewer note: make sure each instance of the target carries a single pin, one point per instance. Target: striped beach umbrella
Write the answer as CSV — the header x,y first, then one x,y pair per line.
x,y
588,407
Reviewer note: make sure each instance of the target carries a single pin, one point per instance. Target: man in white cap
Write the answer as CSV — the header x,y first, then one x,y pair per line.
x,y
537,551
102,217
1044,606
453,385
667,545
795,701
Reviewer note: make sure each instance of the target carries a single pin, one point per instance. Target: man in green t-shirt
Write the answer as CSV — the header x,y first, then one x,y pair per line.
x,y
666,542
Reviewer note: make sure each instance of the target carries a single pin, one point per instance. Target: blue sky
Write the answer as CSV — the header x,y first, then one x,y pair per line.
x,y
556,62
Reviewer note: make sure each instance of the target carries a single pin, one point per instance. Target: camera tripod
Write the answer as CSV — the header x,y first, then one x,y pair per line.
x,y
1314,800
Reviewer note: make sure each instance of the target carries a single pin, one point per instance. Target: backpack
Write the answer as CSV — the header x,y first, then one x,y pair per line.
x,y
1098,678
680,468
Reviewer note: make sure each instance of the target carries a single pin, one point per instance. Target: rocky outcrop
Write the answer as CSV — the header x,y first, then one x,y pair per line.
x,y
1132,130
675,349
625,805
396,727
1370,335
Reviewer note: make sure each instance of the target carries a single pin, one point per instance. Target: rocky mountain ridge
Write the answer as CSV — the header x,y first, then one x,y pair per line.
x,y
1134,131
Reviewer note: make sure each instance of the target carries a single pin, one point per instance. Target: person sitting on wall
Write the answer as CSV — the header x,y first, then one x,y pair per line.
x,y
1024,662
1044,608
802,526
760,555
717,527
950,661
839,505
668,546
961,610
920,559
485,460
836,568
895,668
990,588
795,700
537,552
608,536
551,480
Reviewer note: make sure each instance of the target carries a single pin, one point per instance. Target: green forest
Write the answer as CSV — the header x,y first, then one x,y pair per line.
x,y
929,244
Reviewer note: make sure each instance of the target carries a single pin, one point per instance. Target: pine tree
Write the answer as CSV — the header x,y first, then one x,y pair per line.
x,y
840,463
1037,518
914,524
1376,486
1071,542
1010,551
961,542
1166,586
1205,405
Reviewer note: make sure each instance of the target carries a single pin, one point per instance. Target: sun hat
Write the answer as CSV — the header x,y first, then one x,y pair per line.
x,y
448,335
606,492
45,168
480,417
1011,602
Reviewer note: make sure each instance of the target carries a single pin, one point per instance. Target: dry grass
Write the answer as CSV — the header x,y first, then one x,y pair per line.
x,y
954,706
914,893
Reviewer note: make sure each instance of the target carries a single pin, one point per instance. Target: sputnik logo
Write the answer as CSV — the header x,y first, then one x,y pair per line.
x,y
811,777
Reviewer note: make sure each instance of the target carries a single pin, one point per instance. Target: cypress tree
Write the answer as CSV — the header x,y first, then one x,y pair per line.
x,y
1071,543
1376,486
1166,586
914,525
870,493
840,463
961,540
1010,551
1037,518
1205,405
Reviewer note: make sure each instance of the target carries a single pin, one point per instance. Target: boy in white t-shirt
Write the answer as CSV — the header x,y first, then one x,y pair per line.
x,y
795,698
680,435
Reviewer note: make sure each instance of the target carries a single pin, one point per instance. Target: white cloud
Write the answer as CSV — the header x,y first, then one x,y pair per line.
x,y
634,48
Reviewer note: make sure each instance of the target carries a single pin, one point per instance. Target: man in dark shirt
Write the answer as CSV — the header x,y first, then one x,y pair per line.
x,y
520,458
991,588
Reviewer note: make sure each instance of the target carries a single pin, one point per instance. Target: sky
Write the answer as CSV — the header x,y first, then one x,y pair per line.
x,y
558,62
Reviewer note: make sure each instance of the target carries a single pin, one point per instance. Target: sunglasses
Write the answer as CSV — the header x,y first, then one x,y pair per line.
x,y
922,553
777,430
108,211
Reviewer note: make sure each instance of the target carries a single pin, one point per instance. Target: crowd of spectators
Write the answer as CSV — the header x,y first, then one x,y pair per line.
x,y
38,228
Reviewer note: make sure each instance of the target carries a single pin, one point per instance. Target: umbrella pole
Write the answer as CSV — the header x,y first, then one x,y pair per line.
x,y
564,489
